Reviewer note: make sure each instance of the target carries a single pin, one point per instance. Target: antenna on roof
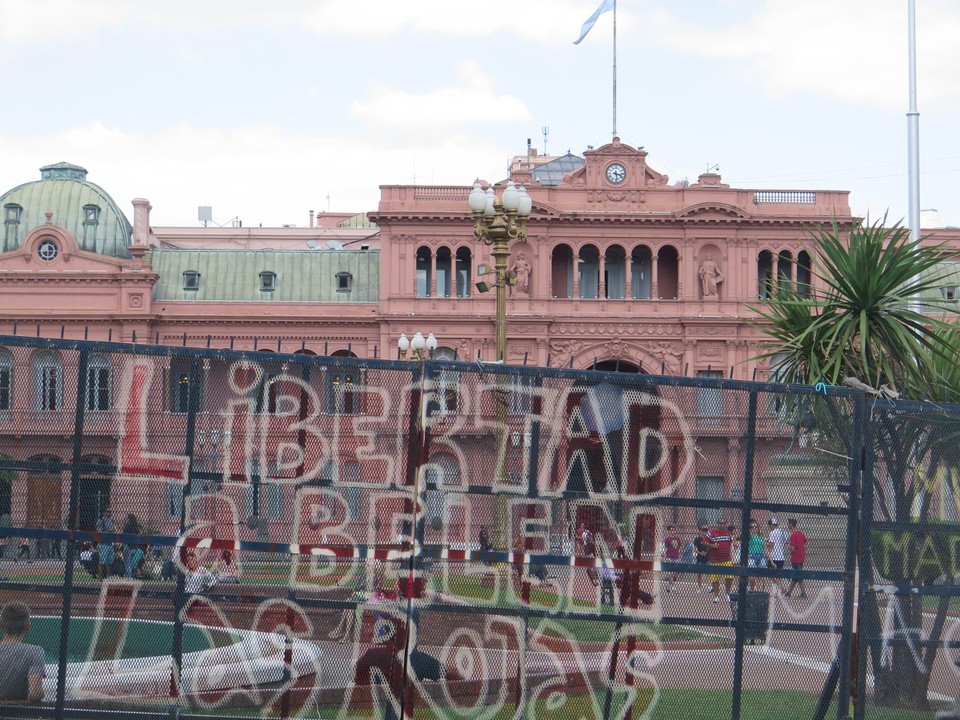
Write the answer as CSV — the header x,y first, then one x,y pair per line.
x,y
205,214
546,131
334,245
313,244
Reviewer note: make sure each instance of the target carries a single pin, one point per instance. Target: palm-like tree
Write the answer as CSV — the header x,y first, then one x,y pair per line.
x,y
873,313
866,318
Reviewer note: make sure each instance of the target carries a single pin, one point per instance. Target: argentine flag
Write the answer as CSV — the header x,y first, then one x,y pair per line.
x,y
605,6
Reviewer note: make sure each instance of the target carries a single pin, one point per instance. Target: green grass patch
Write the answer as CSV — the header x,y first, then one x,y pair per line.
x,y
671,704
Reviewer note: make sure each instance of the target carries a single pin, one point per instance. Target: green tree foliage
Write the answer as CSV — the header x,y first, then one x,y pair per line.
x,y
874,317
873,312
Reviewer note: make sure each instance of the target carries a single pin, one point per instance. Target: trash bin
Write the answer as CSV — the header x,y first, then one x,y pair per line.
x,y
757,615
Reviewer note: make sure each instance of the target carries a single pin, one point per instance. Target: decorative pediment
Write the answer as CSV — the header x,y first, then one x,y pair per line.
x,y
50,248
616,168
708,211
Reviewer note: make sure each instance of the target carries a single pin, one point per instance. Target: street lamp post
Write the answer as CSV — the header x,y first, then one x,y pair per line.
x,y
497,221
422,347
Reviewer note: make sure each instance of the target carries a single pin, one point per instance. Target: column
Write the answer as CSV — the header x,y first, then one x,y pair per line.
x,y
628,270
654,278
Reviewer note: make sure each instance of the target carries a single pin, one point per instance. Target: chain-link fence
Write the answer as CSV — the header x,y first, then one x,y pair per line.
x,y
209,533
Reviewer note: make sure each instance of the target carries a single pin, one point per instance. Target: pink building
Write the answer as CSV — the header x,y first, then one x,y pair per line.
x,y
620,270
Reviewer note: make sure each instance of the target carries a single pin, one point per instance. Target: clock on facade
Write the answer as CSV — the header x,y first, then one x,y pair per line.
x,y
616,173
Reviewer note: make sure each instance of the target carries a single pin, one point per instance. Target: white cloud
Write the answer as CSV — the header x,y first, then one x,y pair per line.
x,y
441,109
256,173
542,21
854,51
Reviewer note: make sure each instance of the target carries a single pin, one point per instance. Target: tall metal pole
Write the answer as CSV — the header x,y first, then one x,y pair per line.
x,y
913,130
501,252
614,68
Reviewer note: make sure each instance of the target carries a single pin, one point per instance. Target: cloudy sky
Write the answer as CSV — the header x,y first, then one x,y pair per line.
x,y
266,111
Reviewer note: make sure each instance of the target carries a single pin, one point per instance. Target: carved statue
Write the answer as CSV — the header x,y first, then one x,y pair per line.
x,y
710,278
521,270
561,351
670,359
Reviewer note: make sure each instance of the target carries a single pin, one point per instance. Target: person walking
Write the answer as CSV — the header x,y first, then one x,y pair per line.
x,y
756,555
798,554
701,554
672,547
719,541
131,526
105,548
24,550
777,548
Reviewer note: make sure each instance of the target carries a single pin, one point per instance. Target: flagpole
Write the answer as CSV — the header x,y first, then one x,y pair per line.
x,y
614,68
913,128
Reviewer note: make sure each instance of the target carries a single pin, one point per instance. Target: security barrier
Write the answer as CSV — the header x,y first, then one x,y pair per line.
x,y
213,533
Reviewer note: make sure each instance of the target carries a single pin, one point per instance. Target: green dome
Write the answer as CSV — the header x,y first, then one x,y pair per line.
x,y
81,207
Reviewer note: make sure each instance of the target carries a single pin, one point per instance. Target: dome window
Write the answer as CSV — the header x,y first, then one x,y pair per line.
x,y
11,213
48,250
268,281
344,282
191,280
91,214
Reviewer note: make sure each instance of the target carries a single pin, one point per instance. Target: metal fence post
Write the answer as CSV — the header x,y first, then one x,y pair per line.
x,y
82,361
736,700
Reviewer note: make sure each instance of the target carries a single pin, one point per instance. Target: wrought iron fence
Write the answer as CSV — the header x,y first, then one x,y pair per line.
x,y
212,533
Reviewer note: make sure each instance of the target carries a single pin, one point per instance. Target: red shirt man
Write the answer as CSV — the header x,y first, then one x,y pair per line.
x,y
798,553
798,546
721,540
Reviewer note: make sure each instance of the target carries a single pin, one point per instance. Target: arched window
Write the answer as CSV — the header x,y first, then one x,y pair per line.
x,y
99,385
182,384
615,273
641,268
561,268
589,272
48,381
443,469
268,389
765,275
94,491
464,261
44,495
350,474
342,387
444,270
6,380
446,397
784,266
668,273
804,275
423,272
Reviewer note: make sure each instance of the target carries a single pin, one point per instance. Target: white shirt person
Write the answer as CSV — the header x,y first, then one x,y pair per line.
x,y
198,578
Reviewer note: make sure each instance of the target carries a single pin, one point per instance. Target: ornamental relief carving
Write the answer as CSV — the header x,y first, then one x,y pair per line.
x,y
633,196
562,352
671,358
618,348
710,353
522,350
620,329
